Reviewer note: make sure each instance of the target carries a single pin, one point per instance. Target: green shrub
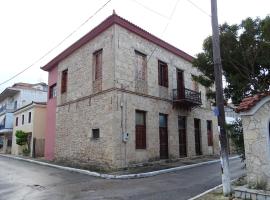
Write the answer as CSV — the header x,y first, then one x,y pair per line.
x,y
21,138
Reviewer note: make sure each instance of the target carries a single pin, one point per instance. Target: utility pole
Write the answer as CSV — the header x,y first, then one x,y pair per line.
x,y
226,180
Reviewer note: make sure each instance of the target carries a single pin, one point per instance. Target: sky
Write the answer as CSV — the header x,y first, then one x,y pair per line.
x,y
31,28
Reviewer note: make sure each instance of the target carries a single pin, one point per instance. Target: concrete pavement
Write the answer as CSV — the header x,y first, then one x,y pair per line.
x,y
21,180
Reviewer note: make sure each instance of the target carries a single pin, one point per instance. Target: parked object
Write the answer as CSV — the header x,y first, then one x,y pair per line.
x,y
255,114
124,96
13,98
31,120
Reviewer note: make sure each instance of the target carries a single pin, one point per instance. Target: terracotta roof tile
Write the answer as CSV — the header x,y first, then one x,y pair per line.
x,y
248,102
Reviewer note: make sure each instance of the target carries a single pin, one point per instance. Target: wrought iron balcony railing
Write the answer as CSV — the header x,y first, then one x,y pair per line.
x,y
186,97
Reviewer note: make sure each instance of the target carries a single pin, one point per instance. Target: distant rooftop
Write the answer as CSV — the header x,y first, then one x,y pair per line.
x,y
15,88
249,102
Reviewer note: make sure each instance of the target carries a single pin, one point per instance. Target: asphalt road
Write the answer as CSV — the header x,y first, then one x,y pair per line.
x,y
22,180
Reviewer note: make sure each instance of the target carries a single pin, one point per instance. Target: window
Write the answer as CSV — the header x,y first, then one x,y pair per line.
x,y
22,119
162,74
141,65
182,126
97,65
95,133
52,91
209,132
163,136
140,130
29,117
64,81
17,121
195,84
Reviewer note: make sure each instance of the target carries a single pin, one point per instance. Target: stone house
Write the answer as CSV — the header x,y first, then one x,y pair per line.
x,y
255,115
12,98
124,96
31,119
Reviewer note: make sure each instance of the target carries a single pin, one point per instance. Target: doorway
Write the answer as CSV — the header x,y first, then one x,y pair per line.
x,y
182,136
197,130
180,84
163,136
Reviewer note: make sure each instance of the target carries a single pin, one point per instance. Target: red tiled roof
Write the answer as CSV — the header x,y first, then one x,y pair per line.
x,y
115,19
249,102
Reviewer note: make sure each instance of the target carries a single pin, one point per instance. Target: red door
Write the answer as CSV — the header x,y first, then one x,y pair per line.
x,y
180,84
163,136
182,136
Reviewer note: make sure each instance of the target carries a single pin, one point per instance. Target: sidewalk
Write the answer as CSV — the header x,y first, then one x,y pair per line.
x,y
136,171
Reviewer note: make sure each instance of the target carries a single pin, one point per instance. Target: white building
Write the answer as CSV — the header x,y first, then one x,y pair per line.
x,y
11,99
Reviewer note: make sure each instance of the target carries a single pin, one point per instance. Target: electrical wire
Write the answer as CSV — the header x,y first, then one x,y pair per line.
x,y
199,8
165,28
150,9
60,43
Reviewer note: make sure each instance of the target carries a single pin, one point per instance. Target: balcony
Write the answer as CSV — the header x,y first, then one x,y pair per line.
x,y
186,99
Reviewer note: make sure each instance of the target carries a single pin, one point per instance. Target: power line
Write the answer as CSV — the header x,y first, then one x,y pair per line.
x,y
60,43
164,30
150,9
199,8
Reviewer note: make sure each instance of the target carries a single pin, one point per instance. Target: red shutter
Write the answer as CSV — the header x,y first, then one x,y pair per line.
x,y
159,73
64,81
140,137
98,65
166,75
144,62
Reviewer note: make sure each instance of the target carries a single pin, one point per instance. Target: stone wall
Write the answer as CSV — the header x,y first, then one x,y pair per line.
x,y
257,146
127,154
80,109
74,139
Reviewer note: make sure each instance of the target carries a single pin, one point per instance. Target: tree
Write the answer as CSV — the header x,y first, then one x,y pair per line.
x,y
22,140
245,54
235,131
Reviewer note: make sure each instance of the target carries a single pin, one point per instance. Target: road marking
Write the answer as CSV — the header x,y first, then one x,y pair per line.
x,y
110,176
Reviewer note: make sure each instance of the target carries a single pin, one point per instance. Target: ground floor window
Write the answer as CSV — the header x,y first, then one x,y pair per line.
x,y
140,129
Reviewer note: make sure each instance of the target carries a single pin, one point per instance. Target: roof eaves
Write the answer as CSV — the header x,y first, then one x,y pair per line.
x,y
86,38
115,19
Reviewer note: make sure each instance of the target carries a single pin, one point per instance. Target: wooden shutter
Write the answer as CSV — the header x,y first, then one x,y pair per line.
x,y
64,81
98,64
144,63
159,73
165,75
140,137
162,73
141,64
140,130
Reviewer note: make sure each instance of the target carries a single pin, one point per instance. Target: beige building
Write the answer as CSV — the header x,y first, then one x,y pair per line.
x,y
124,96
32,120
255,114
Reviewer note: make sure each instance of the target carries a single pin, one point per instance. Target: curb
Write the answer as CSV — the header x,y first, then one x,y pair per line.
x,y
208,191
110,176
